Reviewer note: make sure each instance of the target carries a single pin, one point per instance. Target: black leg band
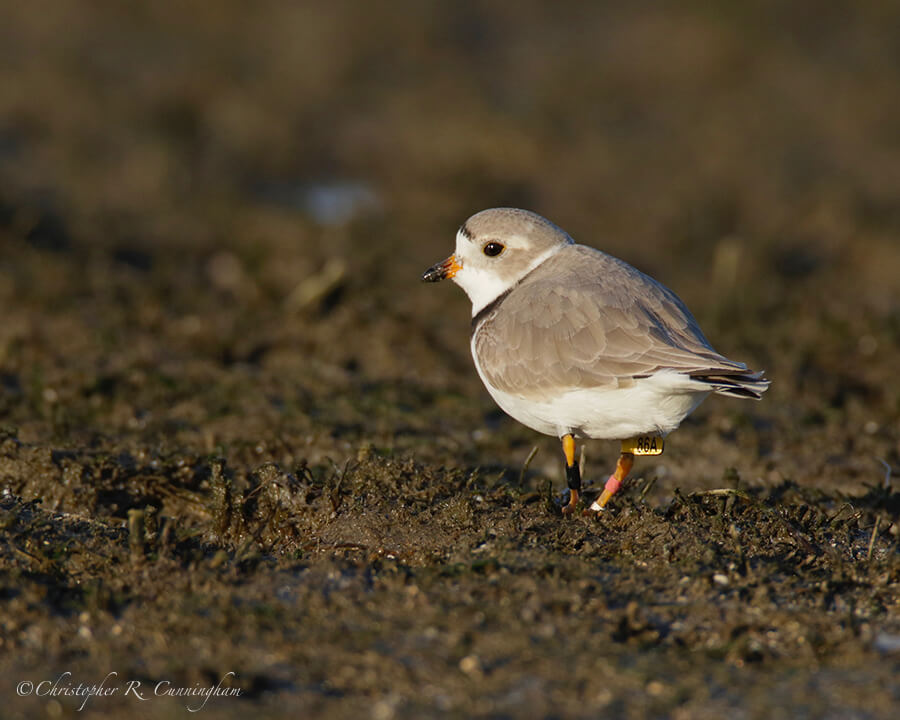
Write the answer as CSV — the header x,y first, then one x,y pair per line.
x,y
573,477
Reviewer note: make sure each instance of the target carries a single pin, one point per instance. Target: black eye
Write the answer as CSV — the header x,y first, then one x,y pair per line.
x,y
493,249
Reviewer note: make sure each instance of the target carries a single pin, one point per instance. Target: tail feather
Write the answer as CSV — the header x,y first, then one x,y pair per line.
x,y
738,384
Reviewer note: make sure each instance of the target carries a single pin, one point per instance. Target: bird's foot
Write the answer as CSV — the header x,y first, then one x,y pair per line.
x,y
611,488
569,509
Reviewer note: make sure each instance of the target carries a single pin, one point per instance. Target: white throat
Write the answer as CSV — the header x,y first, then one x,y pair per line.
x,y
484,286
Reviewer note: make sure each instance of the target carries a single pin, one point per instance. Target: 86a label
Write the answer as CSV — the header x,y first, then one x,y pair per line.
x,y
644,445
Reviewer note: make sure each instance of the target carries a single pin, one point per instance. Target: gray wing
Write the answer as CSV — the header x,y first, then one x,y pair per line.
x,y
584,319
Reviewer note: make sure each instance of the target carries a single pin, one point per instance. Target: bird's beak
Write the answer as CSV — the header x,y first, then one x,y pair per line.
x,y
446,269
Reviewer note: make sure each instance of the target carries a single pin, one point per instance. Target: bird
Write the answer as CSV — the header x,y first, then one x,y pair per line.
x,y
575,343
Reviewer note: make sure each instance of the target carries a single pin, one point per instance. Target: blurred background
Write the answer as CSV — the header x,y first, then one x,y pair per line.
x,y
213,219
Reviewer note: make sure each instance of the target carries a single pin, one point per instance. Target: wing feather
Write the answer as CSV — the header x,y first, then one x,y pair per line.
x,y
584,319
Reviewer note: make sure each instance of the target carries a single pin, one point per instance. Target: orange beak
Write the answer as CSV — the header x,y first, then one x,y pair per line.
x,y
442,270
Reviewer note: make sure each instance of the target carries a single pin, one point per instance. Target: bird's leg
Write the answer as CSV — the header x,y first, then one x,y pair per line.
x,y
623,467
573,474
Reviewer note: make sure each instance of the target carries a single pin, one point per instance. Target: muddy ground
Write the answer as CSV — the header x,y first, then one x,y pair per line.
x,y
238,435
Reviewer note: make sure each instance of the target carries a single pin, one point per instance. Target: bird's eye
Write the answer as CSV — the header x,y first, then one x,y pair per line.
x,y
493,249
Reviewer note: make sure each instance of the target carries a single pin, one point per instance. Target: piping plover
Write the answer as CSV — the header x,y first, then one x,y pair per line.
x,y
575,343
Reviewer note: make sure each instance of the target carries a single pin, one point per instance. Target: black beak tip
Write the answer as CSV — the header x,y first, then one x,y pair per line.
x,y
433,274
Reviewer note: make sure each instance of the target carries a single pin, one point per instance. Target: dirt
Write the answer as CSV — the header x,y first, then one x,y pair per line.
x,y
241,445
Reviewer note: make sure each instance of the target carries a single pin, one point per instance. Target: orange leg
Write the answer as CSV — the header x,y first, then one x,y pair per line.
x,y
623,467
573,474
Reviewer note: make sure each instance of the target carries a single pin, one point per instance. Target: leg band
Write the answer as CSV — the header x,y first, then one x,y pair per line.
x,y
573,477
612,485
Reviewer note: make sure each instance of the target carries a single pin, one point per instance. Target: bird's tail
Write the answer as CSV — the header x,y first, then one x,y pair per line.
x,y
746,384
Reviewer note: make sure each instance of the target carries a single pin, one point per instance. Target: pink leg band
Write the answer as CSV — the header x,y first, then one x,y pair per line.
x,y
613,485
